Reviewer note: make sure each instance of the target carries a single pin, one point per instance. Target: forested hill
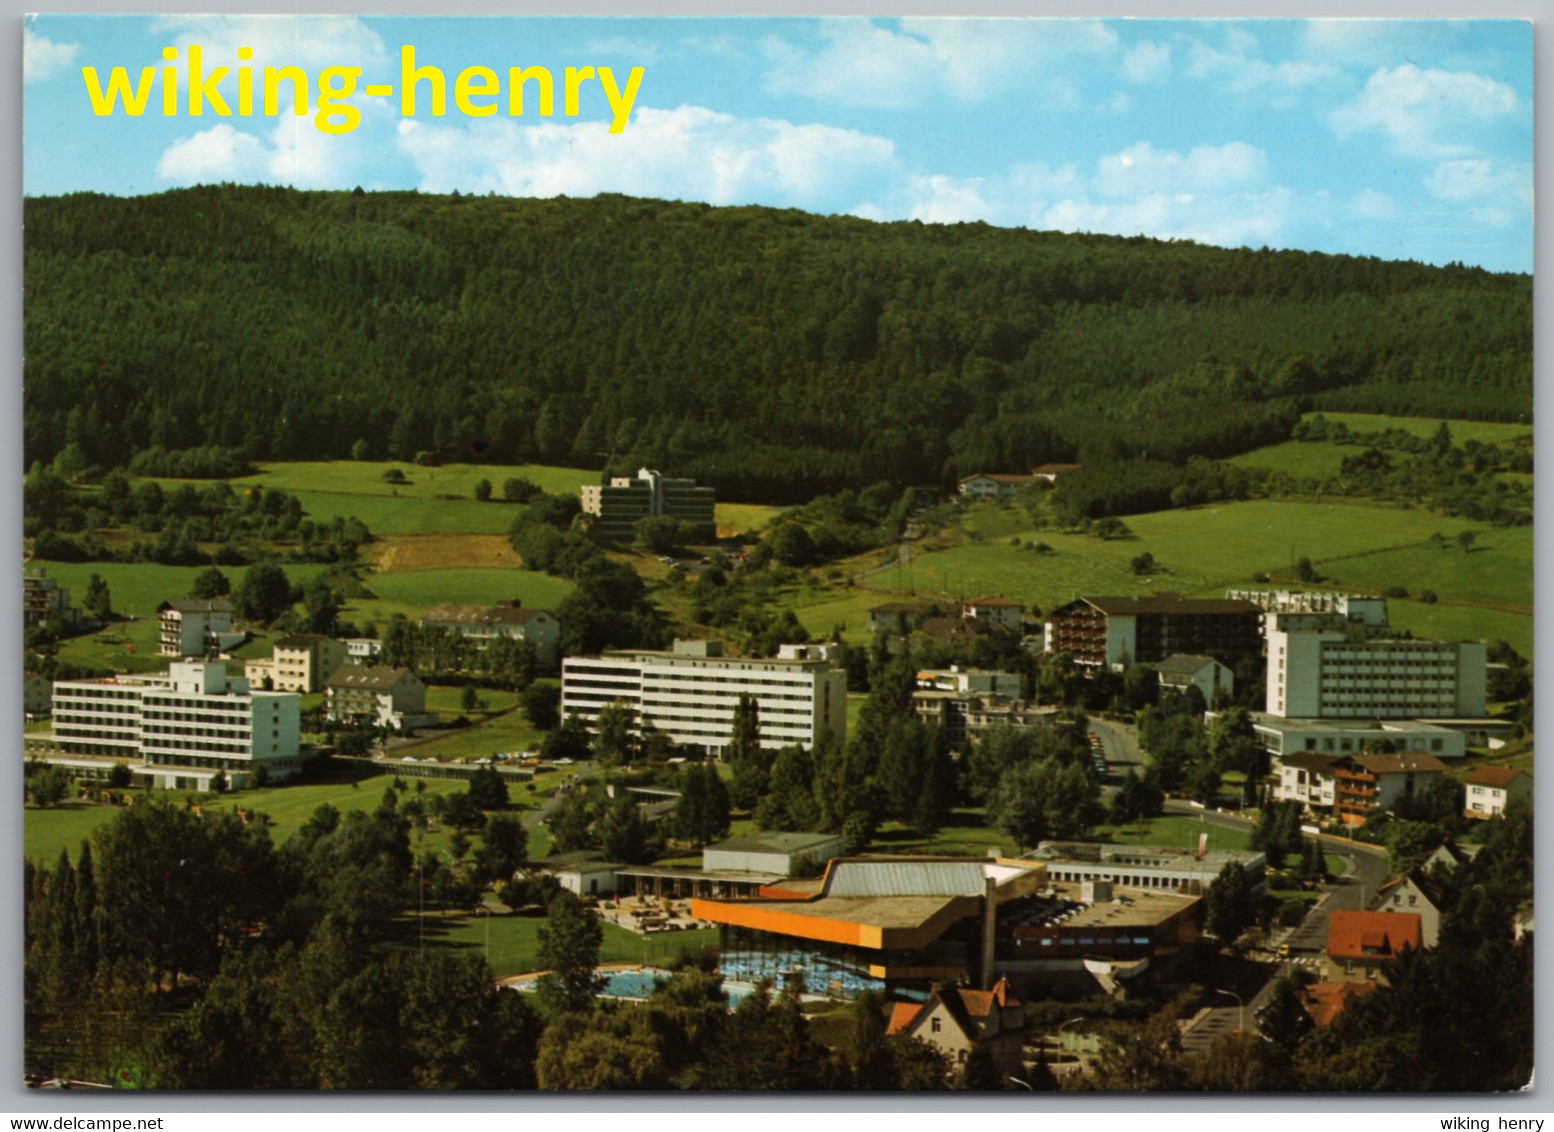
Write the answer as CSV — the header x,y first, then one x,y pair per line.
x,y
770,353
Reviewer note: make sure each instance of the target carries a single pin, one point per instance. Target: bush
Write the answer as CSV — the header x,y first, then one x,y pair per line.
x,y
1427,596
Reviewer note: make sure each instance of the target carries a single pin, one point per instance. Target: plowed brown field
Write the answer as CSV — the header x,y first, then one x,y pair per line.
x,y
435,552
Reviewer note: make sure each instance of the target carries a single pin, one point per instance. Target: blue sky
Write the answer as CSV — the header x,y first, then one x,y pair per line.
x,y
1397,139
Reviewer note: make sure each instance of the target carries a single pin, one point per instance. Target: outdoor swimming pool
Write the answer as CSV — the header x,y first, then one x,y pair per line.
x,y
636,983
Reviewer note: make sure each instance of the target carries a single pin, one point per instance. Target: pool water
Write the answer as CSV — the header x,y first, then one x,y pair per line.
x,y
638,984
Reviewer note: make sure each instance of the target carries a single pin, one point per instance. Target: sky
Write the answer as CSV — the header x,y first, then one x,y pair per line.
x,y
1388,138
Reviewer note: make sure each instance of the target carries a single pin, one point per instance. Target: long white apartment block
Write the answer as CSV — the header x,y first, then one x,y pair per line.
x,y
184,725
1324,675
690,693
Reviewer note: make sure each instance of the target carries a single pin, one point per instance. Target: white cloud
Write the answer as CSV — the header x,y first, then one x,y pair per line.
x,y
1241,71
1229,220
217,154
1369,204
1426,113
638,51
866,64
293,152
42,58
1486,193
1147,62
1142,170
689,153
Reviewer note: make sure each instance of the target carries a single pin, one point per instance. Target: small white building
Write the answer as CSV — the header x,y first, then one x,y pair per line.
x,y
582,873
995,611
1215,682
991,485
195,626
1491,788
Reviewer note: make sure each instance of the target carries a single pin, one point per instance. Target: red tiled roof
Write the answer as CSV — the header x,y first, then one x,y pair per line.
x,y
901,1016
1326,1001
480,614
1371,935
979,1002
1053,469
1496,776
998,477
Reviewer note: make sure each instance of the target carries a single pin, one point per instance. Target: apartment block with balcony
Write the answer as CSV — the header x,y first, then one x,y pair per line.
x,y
690,693
184,726
1117,631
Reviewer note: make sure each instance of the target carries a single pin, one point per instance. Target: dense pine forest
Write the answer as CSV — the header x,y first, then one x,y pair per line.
x,y
774,354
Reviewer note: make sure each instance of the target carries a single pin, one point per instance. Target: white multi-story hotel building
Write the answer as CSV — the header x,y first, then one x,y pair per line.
x,y
690,693
1323,675
185,725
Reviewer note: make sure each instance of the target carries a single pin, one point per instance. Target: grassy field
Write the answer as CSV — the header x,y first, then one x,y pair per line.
x,y
1246,539
511,942
1321,459
509,732
741,518
137,588
46,832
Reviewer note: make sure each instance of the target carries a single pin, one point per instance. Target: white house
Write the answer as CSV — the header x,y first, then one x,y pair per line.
x,y
377,695
989,485
1491,788
1214,681
194,626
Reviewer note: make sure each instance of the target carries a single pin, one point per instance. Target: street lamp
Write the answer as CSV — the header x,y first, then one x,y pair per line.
x,y
1240,1006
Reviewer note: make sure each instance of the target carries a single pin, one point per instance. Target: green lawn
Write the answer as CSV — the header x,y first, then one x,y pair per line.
x,y
45,832
514,940
1321,459
509,732
740,518
137,588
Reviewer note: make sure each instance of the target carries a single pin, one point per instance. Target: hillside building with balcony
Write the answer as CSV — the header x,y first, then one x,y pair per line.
x,y
1114,632
196,626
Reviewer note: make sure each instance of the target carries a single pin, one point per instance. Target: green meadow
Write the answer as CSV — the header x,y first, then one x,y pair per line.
x,y
421,589
511,942
46,832
1320,459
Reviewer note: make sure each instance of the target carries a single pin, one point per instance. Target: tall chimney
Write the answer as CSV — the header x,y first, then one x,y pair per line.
x,y
989,931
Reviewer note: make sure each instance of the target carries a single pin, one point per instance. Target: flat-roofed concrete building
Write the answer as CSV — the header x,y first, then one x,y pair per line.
x,y
1284,737
1296,609
1324,675
690,694
1148,867
1117,631
184,726
618,504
